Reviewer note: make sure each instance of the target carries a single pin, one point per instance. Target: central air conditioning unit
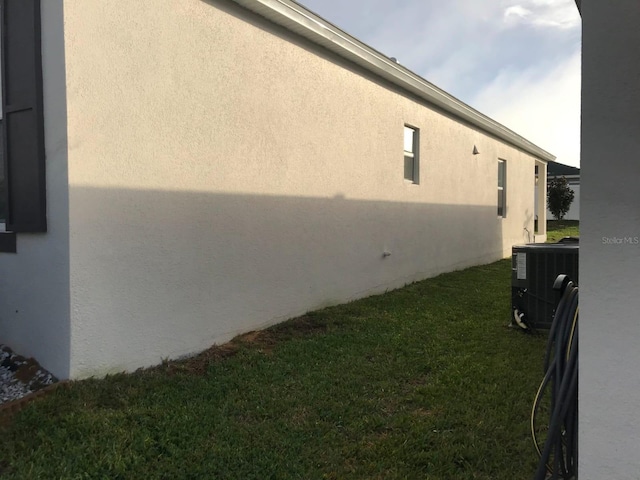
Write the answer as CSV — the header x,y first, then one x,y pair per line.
x,y
534,268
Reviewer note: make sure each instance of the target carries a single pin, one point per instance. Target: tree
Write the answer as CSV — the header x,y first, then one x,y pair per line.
x,y
559,197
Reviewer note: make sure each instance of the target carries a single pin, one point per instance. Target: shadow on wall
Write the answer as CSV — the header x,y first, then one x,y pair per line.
x,y
169,273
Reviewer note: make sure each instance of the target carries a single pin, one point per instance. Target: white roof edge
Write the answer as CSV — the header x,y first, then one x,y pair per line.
x,y
296,18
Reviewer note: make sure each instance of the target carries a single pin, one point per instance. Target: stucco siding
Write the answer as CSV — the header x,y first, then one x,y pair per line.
x,y
225,174
34,285
574,210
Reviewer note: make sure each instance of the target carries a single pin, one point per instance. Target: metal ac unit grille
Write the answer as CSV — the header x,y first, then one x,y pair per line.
x,y
534,269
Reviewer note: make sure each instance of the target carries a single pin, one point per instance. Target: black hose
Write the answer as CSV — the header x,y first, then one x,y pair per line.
x,y
559,455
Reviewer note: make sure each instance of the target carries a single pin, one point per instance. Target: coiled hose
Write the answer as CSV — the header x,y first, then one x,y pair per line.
x,y
559,454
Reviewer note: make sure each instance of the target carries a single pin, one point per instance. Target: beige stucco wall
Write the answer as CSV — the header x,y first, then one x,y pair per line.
x,y
34,284
225,175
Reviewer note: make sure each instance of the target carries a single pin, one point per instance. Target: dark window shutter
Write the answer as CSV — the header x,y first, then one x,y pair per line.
x,y
23,122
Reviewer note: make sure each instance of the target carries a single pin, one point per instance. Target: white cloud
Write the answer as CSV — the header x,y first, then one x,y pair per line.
x,y
542,106
542,13
516,11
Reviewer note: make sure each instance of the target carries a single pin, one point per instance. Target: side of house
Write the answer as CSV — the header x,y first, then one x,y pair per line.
x,y
229,168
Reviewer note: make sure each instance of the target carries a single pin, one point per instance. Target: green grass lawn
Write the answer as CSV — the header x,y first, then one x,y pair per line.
x,y
425,382
556,229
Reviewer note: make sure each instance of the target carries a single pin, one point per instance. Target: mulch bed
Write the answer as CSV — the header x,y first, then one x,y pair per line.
x,y
22,380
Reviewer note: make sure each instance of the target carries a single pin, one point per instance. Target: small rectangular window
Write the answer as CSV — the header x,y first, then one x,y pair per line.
x,y
502,188
411,157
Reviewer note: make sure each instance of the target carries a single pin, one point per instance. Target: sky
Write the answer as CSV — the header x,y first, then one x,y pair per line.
x,y
517,61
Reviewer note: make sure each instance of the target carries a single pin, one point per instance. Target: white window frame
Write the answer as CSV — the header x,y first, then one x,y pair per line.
x,y
412,151
411,154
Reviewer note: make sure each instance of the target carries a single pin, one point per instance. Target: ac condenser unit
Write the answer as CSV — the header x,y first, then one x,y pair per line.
x,y
534,269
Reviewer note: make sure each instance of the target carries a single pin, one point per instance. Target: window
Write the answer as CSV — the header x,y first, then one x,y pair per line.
x,y
22,174
502,188
411,157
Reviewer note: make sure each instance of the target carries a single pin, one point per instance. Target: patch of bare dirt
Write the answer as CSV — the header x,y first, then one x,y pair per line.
x,y
262,340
